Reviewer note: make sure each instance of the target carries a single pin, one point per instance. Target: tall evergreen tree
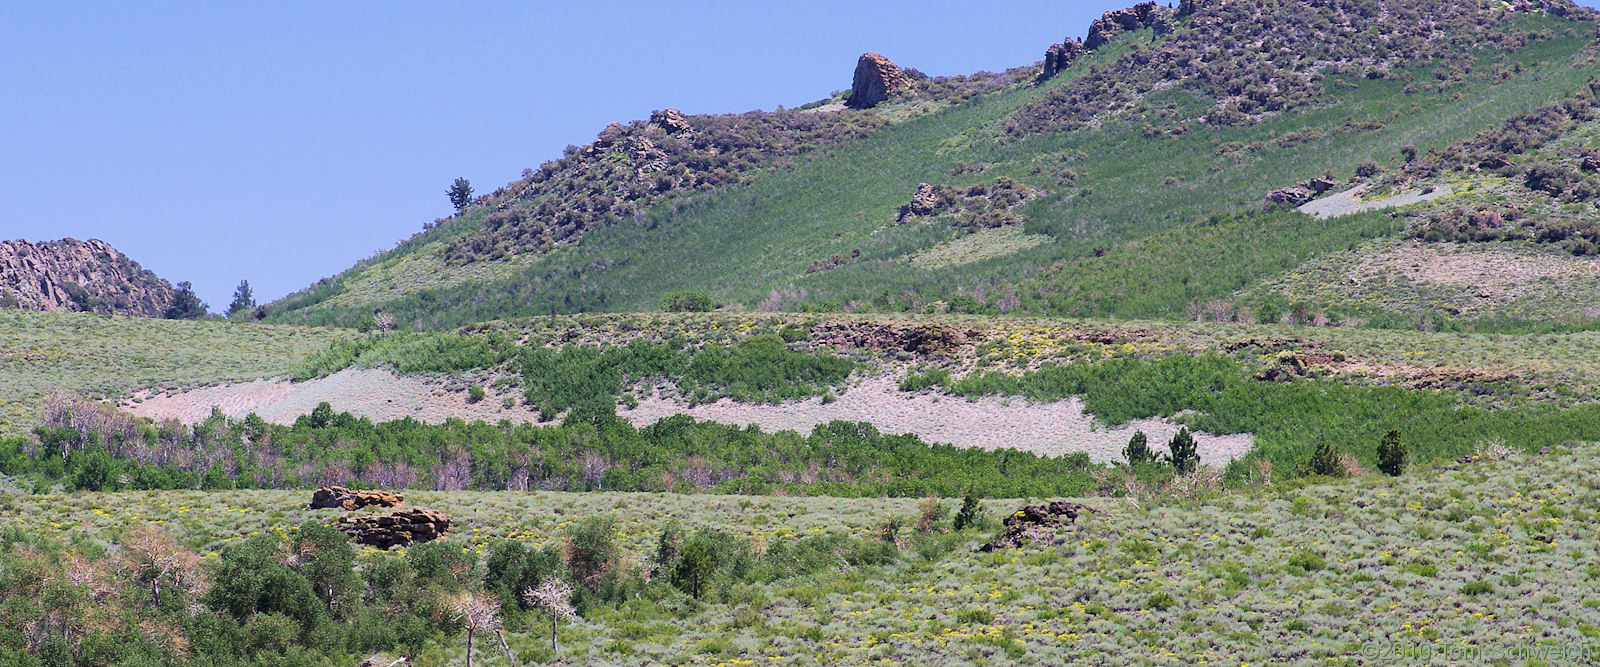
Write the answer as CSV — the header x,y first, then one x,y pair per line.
x,y
460,194
243,299
185,305
1183,452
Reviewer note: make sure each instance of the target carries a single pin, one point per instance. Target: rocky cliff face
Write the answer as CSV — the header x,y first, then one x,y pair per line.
x,y
75,275
876,79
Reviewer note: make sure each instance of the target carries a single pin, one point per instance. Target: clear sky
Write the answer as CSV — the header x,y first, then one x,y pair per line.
x,y
281,142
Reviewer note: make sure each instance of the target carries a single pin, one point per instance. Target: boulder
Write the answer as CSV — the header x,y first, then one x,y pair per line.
x,y
400,529
1495,162
670,120
1590,163
1294,196
1319,185
338,497
876,79
924,202
1036,523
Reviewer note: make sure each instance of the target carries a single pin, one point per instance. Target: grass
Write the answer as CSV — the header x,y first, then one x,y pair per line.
x,y
1507,543
106,356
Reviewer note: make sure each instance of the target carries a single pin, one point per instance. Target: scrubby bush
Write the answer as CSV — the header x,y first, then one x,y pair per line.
x,y
687,302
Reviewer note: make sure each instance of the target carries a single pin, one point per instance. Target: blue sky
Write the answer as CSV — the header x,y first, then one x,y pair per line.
x,y
282,142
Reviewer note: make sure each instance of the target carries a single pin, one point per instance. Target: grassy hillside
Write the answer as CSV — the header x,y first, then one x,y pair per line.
x,y
1123,222
1494,555
109,356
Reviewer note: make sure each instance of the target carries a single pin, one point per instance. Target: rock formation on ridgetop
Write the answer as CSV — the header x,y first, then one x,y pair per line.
x,y
89,276
338,497
1060,56
670,120
1142,15
876,79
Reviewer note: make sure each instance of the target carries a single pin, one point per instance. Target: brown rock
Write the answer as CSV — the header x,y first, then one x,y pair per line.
x,y
670,120
403,528
75,275
1108,26
338,497
1319,185
1294,196
1495,162
876,79
924,202
1036,523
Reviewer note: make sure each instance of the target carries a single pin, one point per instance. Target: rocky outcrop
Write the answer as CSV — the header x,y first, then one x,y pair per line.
x,y
338,497
1590,163
1108,26
930,339
1059,57
670,120
876,79
1294,196
402,528
73,275
977,206
1036,523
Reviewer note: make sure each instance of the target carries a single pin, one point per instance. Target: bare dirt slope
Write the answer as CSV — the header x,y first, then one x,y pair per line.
x,y
988,423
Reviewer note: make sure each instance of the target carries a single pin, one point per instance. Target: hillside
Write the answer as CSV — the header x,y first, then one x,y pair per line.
x,y
1126,175
84,276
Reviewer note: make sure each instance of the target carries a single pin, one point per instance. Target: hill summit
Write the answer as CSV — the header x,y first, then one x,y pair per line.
x,y
1154,167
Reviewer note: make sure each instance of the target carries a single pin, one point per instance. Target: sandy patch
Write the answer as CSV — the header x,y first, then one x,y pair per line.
x,y
1350,202
988,423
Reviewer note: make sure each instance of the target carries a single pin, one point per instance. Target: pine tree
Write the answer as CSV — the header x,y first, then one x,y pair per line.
x,y
1392,454
971,512
1325,461
460,194
1138,450
185,305
1183,452
243,299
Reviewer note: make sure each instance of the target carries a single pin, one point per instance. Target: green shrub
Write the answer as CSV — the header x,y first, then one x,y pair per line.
x,y
975,616
1308,560
1477,588
1392,453
1160,601
475,393
687,301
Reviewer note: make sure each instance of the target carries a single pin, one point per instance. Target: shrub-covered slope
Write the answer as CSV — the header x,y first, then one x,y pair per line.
x,y
1128,152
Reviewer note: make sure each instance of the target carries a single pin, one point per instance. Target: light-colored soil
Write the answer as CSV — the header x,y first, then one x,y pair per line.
x,y
988,423
1350,202
1513,280
976,247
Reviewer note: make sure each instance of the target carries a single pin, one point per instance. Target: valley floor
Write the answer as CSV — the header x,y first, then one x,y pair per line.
x,y
1495,556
